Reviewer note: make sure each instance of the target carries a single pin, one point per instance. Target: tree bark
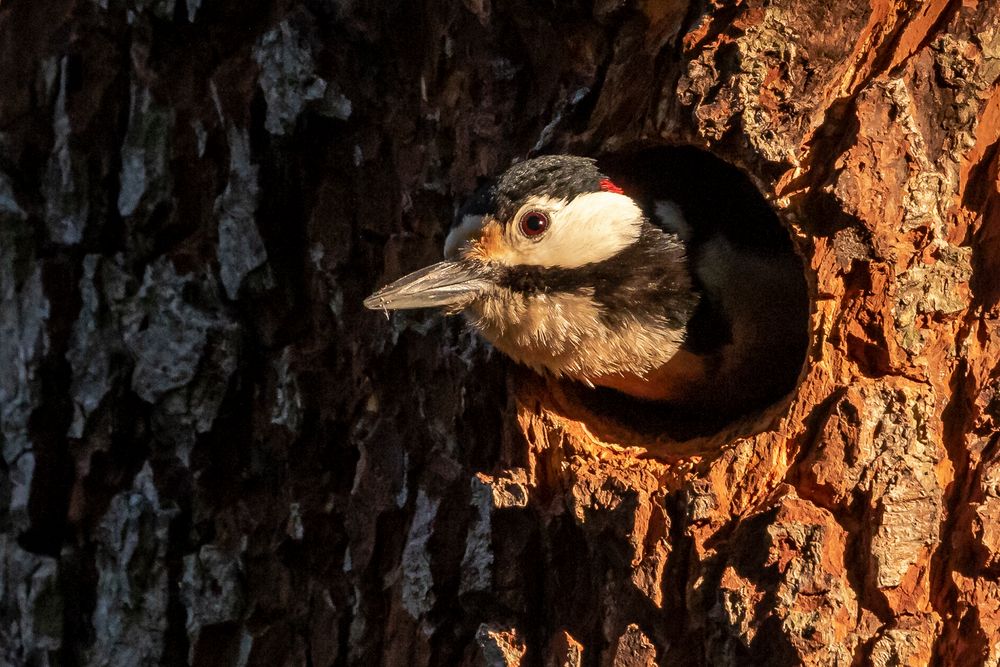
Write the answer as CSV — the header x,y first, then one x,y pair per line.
x,y
212,454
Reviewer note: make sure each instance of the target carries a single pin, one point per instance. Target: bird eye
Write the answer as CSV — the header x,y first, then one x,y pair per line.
x,y
534,223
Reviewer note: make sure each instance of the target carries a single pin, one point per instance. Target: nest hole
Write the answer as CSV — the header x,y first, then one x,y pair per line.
x,y
751,332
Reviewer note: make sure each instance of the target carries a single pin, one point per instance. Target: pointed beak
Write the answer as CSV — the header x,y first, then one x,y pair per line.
x,y
452,285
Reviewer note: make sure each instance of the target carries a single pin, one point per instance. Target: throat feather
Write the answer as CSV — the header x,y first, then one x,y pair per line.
x,y
624,315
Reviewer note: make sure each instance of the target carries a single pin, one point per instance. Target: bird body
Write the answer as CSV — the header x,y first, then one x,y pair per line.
x,y
565,273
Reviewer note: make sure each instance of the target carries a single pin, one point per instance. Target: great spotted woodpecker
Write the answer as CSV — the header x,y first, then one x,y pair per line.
x,y
564,272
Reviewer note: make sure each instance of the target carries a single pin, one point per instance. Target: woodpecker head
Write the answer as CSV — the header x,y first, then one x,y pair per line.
x,y
561,271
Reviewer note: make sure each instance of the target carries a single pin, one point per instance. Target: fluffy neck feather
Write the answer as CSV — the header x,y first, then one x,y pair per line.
x,y
621,316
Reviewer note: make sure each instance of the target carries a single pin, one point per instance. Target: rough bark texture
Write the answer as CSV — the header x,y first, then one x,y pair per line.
x,y
213,454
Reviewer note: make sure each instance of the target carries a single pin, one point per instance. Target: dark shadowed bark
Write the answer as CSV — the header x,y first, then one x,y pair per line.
x,y
212,454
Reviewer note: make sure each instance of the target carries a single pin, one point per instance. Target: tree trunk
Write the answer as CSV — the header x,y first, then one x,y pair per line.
x,y
212,454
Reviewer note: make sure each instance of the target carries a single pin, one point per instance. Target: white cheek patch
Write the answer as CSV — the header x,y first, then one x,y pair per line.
x,y
468,228
591,228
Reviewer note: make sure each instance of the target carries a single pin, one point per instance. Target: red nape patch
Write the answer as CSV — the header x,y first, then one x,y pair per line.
x,y
608,186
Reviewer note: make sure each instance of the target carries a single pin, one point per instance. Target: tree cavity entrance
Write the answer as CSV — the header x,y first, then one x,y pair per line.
x,y
747,341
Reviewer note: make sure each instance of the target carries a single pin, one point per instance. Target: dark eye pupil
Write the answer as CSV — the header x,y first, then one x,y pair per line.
x,y
534,223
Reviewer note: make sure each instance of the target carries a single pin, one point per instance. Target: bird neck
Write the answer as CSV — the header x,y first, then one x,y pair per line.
x,y
622,316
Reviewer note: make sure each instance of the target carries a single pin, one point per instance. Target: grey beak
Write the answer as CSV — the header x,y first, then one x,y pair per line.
x,y
451,285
